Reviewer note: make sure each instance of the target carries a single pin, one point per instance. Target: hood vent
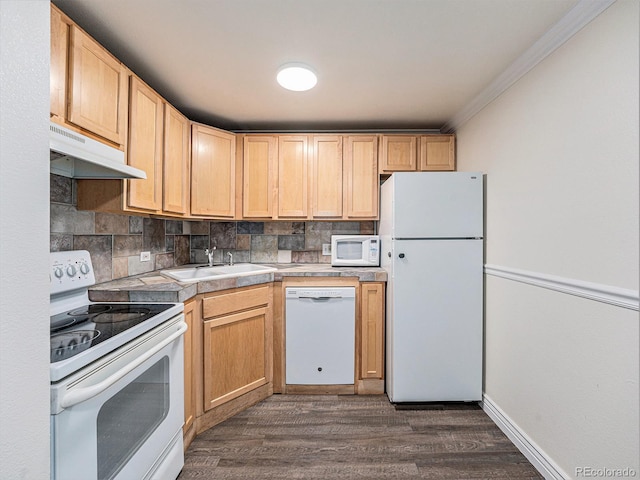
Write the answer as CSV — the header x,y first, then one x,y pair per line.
x,y
78,156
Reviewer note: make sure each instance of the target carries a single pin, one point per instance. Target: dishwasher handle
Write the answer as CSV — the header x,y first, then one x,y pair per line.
x,y
318,298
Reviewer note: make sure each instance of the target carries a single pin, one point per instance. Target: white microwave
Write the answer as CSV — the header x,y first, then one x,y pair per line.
x,y
355,250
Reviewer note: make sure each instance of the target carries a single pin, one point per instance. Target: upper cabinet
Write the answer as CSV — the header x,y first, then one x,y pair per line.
x,y
437,153
213,172
259,174
361,181
410,153
58,65
177,162
326,177
293,176
158,143
398,153
306,177
145,146
89,89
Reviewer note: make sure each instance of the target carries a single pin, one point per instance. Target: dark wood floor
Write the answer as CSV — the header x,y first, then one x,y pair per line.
x,y
354,437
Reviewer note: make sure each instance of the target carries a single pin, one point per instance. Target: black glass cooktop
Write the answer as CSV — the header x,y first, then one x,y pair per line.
x,y
76,330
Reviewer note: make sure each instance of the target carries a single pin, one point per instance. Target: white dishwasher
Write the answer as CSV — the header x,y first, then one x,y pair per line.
x,y
320,335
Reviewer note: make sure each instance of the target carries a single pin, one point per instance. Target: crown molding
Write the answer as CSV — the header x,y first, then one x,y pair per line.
x,y
575,19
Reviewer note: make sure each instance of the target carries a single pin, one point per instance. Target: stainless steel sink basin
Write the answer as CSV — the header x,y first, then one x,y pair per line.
x,y
199,274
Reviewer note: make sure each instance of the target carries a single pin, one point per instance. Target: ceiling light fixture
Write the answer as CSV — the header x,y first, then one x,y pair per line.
x,y
297,77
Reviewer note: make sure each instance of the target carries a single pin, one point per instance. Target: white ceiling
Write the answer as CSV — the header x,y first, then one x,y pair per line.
x,y
381,64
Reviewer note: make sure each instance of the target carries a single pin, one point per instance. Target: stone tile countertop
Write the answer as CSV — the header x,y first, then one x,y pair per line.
x,y
155,287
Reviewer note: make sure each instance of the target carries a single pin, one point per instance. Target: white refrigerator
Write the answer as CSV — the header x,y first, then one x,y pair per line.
x,y
431,234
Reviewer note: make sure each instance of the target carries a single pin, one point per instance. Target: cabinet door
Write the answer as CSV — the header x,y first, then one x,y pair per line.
x,y
398,153
292,176
259,176
176,164
58,65
97,88
213,172
234,356
190,317
362,184
437,153
372,330
145,146
326,177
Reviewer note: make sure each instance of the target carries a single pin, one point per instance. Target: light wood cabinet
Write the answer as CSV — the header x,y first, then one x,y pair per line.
x,y
372,330
322,177
88,86
259,165
159,142
326,177
58,65
398,153
145,146
437,153
213,172
238,355
410,153
191,316
293,176
97,88
361,181
176,163
371,335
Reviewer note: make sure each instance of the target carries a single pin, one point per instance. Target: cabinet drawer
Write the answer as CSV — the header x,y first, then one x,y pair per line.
x,y
225,303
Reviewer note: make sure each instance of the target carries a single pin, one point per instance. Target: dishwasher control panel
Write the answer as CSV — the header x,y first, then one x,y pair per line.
x,y
320,292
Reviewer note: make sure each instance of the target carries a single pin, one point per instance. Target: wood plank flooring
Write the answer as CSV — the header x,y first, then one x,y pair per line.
x,y
354,437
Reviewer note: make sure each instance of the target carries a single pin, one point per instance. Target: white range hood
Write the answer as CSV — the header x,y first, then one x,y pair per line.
x,y
78,156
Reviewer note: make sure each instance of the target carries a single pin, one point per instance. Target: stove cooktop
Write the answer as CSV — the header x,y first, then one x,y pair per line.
x,y
83,331
76,330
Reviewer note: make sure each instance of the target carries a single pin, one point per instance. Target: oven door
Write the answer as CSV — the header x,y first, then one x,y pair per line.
x,y
121,417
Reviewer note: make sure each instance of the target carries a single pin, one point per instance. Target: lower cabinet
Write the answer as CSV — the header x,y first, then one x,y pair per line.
x,y
370,347
191,316
235,348
237,351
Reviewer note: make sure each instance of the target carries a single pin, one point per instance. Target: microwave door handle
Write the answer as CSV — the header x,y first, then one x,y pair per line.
x,y
73,397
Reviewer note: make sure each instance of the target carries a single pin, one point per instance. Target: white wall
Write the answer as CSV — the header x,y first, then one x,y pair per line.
x,y
560,151
24,239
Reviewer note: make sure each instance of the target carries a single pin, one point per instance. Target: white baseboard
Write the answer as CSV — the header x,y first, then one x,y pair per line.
x,y
538,458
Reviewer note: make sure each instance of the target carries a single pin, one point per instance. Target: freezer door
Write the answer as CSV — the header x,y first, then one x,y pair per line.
x,y
434,322
437,205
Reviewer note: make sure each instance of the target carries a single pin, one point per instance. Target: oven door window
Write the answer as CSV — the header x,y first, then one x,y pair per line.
x,y
128,418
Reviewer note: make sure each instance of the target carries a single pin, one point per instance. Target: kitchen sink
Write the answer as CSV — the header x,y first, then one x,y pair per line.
x,y
199,274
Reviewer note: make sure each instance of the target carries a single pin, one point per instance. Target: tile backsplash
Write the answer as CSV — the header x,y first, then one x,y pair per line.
x,y
115,241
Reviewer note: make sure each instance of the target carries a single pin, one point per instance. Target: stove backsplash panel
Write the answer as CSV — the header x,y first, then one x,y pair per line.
x,y
115,241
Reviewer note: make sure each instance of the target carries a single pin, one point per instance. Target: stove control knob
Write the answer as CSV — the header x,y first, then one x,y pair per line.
x,y
84,269
58,272
71,270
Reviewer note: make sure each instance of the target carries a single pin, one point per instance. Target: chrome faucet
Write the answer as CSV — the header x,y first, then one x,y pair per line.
x,y
230,258
209,254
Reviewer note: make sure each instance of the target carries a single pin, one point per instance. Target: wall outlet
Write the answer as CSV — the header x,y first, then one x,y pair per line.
x,y
326,249
145,256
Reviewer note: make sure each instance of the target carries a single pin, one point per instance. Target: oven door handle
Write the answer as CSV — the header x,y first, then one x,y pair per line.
x,y
73,397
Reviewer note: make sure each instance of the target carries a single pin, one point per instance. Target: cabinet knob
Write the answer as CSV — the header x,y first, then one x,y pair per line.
x,y
401,255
